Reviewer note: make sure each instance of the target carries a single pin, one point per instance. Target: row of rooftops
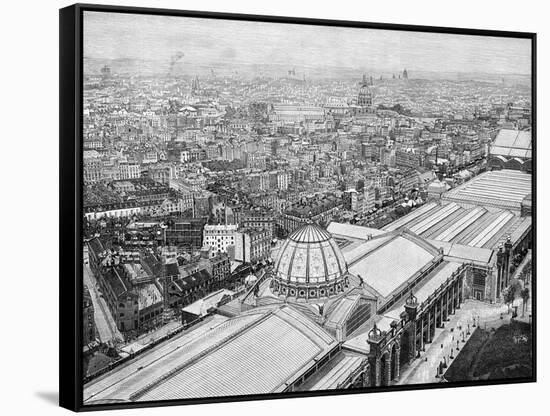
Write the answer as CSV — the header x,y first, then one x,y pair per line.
x,y
192,280
138,275
121,280
464,224
505,189
314,206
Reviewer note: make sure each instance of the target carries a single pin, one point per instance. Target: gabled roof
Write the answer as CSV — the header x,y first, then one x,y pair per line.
x,y
501,189
464,253
116,279
202,306
353,231
513,139
341,310
407,218
193,280
171,269
334,373
465,224
148,295
381,262
260,351
96,246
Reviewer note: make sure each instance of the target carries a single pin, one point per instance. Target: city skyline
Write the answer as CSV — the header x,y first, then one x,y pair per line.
x,y
241,45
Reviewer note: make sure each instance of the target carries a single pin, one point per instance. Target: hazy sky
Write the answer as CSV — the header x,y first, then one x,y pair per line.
x,y
212,41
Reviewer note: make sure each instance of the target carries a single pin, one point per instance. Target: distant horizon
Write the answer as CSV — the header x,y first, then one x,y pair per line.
x,y
373,71
201,42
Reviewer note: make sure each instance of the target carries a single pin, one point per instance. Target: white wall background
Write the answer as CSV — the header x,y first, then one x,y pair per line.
x,y
29,223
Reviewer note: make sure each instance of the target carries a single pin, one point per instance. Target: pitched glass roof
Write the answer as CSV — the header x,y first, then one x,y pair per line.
x,y
257,352
518,139
503,189
390,265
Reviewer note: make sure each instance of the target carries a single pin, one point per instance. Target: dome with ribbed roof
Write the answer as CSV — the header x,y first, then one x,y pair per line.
x,y
309,265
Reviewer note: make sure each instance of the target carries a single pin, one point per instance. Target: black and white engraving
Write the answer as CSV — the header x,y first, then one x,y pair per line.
x,y
275,207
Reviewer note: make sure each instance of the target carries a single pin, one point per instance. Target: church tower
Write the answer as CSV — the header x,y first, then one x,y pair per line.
x,y
195,86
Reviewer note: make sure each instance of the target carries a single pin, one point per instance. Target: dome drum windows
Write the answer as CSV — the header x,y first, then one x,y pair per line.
x,y
306,291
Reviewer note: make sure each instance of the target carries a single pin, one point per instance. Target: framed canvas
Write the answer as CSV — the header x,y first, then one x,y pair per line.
x,y
260,207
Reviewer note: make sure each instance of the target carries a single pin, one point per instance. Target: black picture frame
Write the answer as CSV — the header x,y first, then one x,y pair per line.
x,y
71,184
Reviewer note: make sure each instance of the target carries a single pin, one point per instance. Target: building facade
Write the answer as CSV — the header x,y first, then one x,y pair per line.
x,y
252,245
219,237
88,322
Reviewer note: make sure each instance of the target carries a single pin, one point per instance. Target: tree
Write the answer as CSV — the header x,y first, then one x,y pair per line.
x,y
509,296
525,296
516,286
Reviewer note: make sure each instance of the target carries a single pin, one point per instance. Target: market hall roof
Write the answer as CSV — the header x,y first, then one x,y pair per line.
x,y
465,224
381,262
504,189
335,373
512,143
450,249
260,351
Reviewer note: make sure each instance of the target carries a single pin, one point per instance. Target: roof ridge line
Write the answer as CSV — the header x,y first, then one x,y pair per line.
x,y
189,362
392,236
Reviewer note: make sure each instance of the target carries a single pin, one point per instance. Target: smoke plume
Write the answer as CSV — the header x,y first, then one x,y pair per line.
x,y
174,60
